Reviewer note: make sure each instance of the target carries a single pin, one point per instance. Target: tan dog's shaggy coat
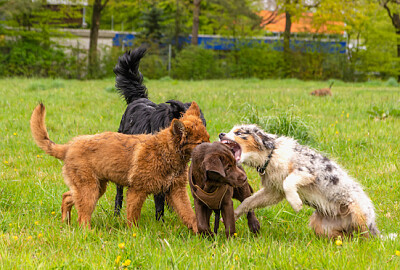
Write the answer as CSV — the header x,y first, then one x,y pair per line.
x,y
146,164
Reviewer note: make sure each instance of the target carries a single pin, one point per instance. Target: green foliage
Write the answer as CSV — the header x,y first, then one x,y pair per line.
x,y
27,57
196,63
392,82
255,62
382,114
285,123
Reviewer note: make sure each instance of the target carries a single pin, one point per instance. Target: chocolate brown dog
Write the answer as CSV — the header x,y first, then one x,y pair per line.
x,y
215,179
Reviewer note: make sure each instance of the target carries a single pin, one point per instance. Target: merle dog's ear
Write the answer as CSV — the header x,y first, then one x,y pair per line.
x,y
266,140
214,168
178,128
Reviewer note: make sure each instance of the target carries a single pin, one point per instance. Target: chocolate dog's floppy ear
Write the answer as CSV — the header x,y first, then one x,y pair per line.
x,y
214,168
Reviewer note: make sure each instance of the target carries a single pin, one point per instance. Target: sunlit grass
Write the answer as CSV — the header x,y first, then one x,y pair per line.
x,y
32,235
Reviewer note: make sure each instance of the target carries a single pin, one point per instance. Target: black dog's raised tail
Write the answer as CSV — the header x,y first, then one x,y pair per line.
x,y
129,80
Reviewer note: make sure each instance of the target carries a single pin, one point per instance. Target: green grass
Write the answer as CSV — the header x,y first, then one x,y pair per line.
x,y
33,237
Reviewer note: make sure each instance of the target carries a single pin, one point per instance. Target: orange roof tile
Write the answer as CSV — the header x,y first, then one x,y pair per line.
x,y
301,25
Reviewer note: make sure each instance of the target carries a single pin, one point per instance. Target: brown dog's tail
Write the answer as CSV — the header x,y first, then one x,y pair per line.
x,y
39,132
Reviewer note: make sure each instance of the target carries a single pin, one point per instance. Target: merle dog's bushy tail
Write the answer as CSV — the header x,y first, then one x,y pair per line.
x,y
129,80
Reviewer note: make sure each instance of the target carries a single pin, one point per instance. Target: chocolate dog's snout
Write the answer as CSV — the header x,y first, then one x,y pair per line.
x,y
221,135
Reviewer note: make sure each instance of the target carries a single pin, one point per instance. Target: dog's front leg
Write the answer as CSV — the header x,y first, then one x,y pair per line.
x,y
241,193
229,218
179,199
290,186
134,203
262,198
203,214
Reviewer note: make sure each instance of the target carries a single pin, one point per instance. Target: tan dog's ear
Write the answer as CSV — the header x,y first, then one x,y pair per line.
x,y
194,109
178,128
214,168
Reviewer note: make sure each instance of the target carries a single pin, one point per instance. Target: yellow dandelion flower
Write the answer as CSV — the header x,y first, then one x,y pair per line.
x,y
2,235
39,235
10,224
38,156
397,253
36,222
342,112
347,115
338,242
15,134
53,213
336,121
236,258
121,245
235,234
126,263
5,162
134,234
337,132
118,259
29,237
15,169
15,237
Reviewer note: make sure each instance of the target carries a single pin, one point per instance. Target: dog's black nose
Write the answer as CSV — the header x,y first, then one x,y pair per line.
x,y
221,135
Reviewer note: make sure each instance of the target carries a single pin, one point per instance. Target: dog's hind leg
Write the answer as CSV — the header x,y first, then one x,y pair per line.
x,y
330,227
179,199
86,194
66,206
290,186
134,203
119,197
262,198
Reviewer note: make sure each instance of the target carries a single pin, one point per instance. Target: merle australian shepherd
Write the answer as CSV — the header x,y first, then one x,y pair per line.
x,y
142,115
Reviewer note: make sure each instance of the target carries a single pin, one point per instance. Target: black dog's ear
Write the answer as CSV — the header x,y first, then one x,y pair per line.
x,y
214,168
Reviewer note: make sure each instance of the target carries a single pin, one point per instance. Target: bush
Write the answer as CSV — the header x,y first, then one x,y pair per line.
x,y
256,62
29,58
196,63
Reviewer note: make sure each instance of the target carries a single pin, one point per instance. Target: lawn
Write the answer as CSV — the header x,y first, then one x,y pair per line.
x,y
33,237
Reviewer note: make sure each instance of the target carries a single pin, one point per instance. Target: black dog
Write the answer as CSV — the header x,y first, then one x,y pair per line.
x,y
141,115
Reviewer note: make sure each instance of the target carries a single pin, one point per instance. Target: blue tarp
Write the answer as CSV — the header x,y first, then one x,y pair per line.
x,y
224,44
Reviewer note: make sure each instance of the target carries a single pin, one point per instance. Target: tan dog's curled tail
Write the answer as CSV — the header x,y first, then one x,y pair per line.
x,y
39,132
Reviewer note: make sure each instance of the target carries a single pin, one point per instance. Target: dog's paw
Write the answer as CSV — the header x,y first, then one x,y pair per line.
x,y
297,205
236,215
254,225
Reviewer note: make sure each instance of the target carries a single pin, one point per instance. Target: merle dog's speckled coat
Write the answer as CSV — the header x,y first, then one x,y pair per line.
x,y
302,175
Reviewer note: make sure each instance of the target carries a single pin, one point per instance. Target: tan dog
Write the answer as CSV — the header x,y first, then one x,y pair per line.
x,y
146,164
323,91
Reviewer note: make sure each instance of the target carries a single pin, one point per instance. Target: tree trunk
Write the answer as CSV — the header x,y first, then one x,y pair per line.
x,y
94,35
286,45
195,28
396,24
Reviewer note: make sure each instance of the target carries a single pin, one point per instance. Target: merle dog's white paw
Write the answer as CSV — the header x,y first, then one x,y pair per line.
x,y
236,215
297,205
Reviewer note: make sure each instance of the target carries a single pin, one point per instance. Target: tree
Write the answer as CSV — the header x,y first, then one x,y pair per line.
x,y
195,28
93,64
393,10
